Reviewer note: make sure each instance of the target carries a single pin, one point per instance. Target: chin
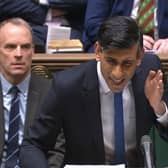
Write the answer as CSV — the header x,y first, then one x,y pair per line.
x,y
117,88
18,73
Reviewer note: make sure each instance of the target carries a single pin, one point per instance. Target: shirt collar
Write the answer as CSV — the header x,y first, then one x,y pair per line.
x,y
102,83
23,86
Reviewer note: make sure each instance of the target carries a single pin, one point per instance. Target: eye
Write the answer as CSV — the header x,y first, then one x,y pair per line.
x,y
26,46
128,63
10,46
111,61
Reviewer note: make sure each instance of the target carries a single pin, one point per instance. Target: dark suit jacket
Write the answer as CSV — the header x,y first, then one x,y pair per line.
x,y
37,90
32,12
74,104
105,8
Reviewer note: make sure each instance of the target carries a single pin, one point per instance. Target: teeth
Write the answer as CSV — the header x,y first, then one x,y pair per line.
x,y
117,81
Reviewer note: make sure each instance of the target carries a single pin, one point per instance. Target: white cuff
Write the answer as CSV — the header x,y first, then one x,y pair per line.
x,y
44,2
163,119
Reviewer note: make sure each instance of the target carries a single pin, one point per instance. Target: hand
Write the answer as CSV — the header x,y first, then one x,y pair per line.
x,y
148,42
161,47
154,88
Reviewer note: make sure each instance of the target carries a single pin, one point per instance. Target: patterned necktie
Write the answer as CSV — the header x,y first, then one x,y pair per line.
x,y
119,129
13,133
145,17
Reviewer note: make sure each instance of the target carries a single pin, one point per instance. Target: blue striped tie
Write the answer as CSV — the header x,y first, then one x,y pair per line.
x,y
119,129
13,133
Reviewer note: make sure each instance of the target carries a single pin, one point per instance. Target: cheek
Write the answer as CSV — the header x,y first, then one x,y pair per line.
x,y
28,57
131,71
106,70
4,61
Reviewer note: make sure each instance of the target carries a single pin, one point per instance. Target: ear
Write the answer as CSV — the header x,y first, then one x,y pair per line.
x,y
140,56
98,50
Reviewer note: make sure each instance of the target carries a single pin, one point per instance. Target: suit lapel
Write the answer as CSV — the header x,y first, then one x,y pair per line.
x,y
2,133
32,101
141,104
91,100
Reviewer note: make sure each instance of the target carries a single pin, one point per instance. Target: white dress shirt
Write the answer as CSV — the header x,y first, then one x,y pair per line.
x,y
107,115
7,98
107,112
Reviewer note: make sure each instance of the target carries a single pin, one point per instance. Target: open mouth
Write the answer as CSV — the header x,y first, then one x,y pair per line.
x,y
118,82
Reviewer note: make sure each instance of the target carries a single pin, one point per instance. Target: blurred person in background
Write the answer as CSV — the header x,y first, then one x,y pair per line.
x,y
155,40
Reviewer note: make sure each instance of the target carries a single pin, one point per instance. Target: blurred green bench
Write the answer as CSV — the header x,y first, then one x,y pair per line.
x,y
161,149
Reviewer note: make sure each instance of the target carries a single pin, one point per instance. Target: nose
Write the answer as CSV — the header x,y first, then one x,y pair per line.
x,y
18,52
117,72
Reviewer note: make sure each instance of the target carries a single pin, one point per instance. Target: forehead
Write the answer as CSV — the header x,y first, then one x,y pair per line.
x,y
122,54
14,33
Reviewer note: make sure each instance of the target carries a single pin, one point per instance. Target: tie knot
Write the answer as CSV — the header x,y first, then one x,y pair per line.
x,y
14,91
118,95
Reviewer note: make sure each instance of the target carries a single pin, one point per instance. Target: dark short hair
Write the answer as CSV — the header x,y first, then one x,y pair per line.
x,y
119,32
